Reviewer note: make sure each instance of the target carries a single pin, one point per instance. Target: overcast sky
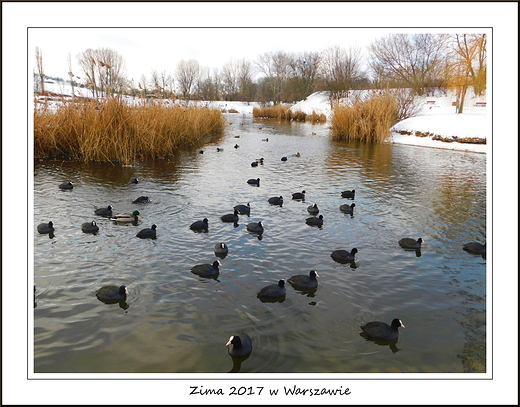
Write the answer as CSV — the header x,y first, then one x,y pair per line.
x,y
152,48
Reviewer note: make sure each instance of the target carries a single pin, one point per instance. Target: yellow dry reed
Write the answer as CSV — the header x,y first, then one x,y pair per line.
x,y
366,120
281,112
113,131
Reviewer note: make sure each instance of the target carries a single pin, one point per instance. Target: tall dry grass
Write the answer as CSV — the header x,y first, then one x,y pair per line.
x,y
366,120
113,131
281,112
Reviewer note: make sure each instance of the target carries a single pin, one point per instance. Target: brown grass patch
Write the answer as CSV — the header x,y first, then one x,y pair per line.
x,y
113,131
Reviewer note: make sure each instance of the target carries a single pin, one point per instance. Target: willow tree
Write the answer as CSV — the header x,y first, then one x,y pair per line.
x,y
467,65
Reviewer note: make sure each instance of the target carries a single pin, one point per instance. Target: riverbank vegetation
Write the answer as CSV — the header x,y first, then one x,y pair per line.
x,y
365,119
111,130
282,112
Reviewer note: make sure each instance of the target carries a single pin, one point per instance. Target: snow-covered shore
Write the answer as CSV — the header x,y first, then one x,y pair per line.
x,y
437,117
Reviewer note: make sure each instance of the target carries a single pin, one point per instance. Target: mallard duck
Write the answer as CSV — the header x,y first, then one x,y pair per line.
x,y
127,217
383,331
303,281
409,243
296,155
242,345
148,232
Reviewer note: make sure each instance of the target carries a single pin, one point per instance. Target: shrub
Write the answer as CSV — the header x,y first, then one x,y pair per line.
x,y
113,131
365,119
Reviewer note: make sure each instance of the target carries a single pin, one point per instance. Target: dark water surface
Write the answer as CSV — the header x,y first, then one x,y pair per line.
x,y
177,322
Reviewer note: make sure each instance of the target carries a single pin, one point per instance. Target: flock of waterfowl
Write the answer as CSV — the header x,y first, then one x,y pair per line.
x,y
240,344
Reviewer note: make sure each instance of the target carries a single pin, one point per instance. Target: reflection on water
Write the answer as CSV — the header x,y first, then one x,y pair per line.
x,y
175,321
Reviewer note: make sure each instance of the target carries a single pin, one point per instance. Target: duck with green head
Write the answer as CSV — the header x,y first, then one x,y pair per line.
x,y
127,217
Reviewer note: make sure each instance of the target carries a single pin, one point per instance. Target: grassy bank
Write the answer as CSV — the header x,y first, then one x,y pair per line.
x,y
113,131
367,120
284,113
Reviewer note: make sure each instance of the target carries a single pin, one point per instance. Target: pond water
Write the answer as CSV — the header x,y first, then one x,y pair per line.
x,y
174,321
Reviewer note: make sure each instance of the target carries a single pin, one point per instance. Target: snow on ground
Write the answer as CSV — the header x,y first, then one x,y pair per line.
x,y
438,117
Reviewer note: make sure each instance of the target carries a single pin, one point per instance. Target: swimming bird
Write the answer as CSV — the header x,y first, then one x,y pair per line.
x,y
298,195
348,194
314,221
221,249
383,331
273,290
127,217
148,232
347,208
284,158
243,209
254,164
206,270
313,209
303,281
265,139
409,243
230,217
255,227
45,228
200,225
141,199
219,149
112,293
104,211
253,181
276,200
296,155
344,256
260,160
201,152
236,146
475,248
242,345
66,185
134,180
90,227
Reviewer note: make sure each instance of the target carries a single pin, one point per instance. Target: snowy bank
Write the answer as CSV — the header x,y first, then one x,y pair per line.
x,y
437,117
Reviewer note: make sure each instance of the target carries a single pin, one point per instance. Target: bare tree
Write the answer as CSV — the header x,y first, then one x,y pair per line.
x,y
340,70
276,68
187,73
245,80
413,60
39,67
231,79
305,72
103,69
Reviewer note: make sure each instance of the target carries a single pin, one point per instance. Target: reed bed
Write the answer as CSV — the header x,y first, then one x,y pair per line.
x,y
366,120
116,132
281,112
